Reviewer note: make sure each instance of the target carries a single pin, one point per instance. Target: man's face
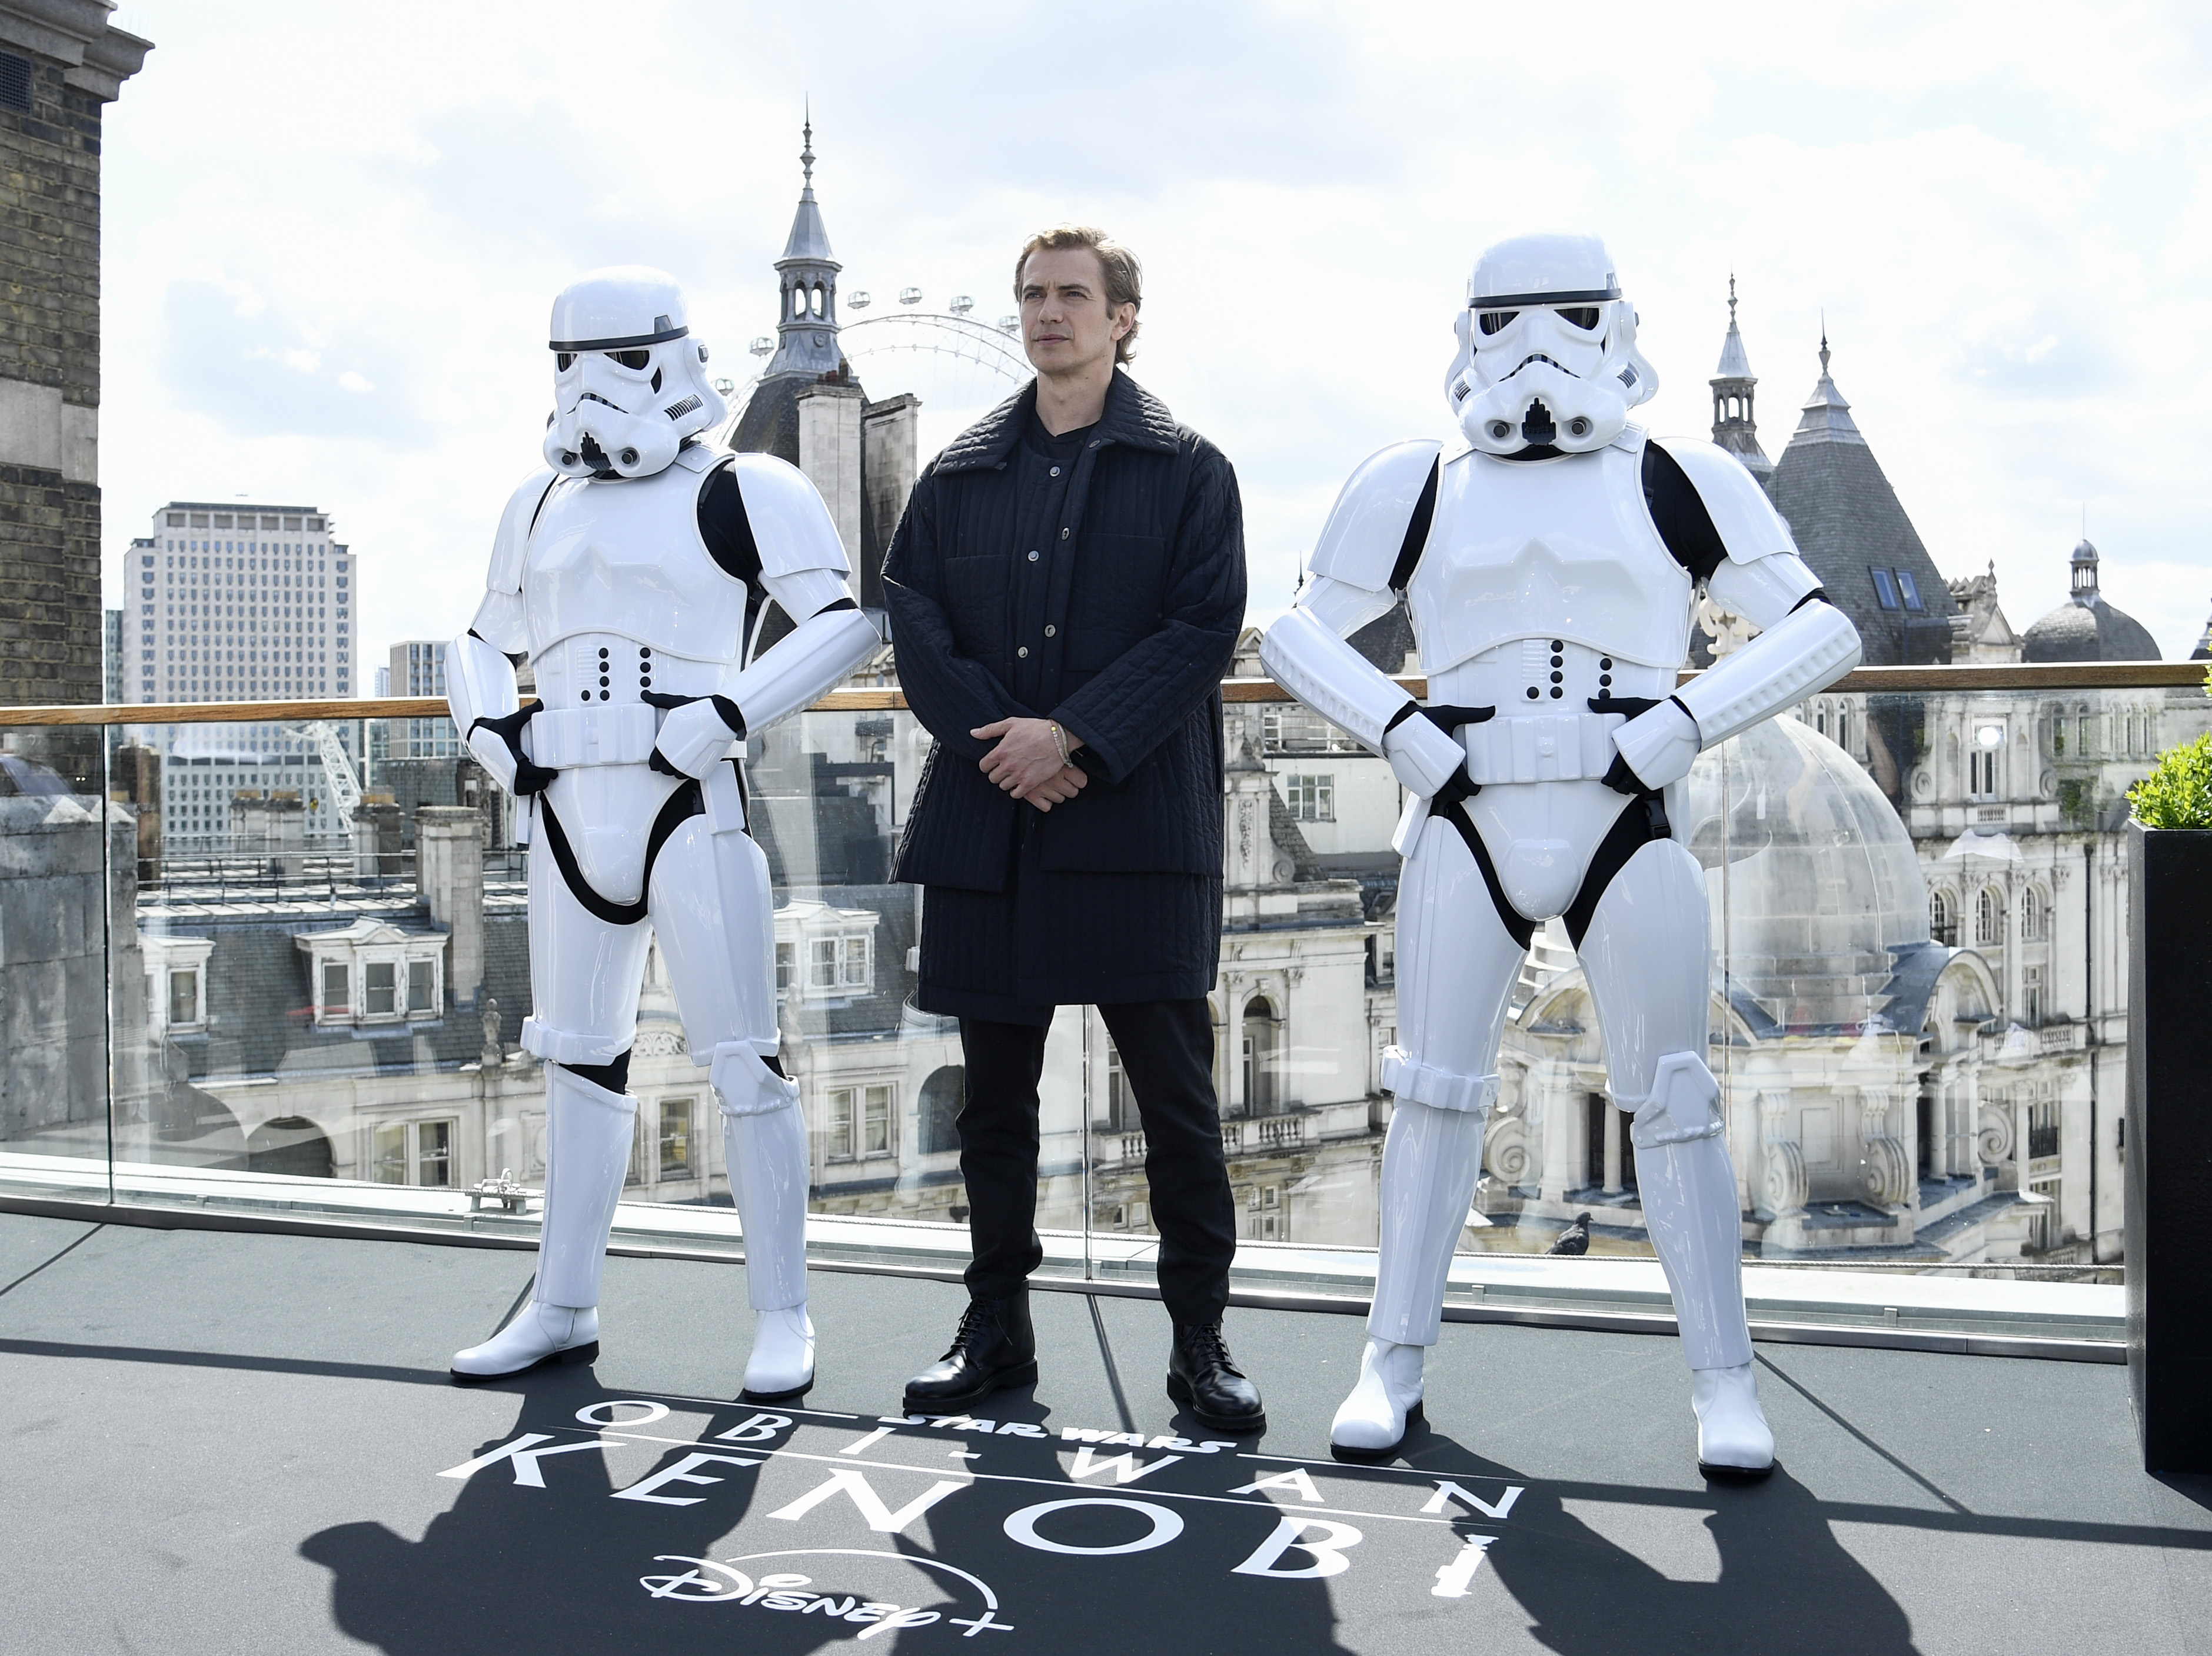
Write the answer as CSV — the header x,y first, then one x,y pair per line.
x,y
1066,325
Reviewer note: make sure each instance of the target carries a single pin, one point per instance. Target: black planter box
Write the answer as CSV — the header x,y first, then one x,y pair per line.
x,y
2169,1144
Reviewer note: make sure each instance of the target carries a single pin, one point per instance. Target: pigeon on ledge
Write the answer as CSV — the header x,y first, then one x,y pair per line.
x,y
1573,1241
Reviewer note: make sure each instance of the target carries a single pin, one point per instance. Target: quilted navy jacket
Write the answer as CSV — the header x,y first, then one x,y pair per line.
x,y
1145,599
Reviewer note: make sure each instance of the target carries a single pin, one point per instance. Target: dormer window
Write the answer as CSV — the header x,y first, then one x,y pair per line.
x,y
824,953
177,983
372,972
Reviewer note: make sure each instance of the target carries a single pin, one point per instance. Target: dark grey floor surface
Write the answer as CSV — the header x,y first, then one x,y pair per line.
x,y
229,1443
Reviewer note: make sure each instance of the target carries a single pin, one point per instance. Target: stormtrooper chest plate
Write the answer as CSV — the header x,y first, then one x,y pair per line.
x,y
623,559
1559,549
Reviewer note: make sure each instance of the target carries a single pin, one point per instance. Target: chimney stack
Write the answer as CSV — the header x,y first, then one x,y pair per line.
x,y
449,872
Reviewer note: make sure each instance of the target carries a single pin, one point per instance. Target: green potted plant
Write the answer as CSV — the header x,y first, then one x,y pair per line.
x,y
2168,1124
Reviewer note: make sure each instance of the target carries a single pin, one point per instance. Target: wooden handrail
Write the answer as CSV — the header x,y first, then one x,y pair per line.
x,y
1866,681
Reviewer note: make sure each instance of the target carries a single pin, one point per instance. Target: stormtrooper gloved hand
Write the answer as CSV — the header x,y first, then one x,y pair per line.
x,y
696,735
1654,748
496,744
1423,759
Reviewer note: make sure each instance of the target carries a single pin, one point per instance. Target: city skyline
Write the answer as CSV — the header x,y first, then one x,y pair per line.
x,y
2001,238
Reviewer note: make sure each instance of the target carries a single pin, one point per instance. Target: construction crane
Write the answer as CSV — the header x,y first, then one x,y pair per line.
x,y
338,771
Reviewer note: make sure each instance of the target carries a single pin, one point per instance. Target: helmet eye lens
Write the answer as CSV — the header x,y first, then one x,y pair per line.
x,y
635,360
1492,320
1582,316
562,359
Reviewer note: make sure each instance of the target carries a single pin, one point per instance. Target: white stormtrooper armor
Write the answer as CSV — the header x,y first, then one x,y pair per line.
x,y
1552,608
628,760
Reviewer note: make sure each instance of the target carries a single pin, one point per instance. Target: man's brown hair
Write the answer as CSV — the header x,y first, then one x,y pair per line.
x,y
1125,276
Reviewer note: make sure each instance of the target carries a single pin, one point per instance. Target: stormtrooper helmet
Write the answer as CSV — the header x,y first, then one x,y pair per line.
x,y
629,381
1547,355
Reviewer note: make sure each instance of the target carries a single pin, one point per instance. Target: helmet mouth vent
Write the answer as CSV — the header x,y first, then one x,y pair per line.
x,y
1536,425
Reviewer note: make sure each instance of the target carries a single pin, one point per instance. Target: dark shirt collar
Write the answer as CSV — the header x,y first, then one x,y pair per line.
x,y
1133,416
1061,446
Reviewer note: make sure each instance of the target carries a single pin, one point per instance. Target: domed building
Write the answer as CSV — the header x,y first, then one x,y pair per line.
x,y
1847,1038
2085,628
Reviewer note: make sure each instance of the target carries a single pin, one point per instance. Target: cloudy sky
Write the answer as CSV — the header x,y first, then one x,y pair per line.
x,y
331,233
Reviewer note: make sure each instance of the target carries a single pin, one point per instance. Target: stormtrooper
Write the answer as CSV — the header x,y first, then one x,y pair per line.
x,y
1550,573
630,571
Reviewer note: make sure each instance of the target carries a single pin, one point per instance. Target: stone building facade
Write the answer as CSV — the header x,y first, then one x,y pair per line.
x,y
2012,803
60,62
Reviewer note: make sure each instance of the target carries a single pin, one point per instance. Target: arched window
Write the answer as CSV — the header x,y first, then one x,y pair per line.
x,y
1988,917
1943,919
1262,1036
2034,915
942,1095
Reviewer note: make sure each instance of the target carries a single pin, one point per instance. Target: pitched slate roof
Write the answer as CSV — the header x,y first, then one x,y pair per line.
x,y
1848,521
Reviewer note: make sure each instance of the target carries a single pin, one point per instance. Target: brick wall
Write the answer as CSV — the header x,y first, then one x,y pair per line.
x,y
49,589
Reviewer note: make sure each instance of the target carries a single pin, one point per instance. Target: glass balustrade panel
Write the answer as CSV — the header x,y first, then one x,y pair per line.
x,y
311,990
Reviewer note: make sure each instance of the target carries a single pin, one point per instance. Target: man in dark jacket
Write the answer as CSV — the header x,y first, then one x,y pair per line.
x,y
1066,591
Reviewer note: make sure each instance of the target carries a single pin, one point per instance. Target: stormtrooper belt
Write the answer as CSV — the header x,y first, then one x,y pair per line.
x,y
622,733
1539,748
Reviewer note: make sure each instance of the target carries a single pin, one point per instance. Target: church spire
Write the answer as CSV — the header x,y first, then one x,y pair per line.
x,y
1827,417
806,278
1734,427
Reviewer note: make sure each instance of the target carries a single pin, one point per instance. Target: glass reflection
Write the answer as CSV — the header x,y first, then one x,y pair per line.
x,y
1918,1000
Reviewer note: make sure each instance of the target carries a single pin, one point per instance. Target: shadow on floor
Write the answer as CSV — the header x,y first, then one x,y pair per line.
x,y
1784,1578
571,1567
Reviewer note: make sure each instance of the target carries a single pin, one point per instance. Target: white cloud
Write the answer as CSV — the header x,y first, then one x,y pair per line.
x,y
331,236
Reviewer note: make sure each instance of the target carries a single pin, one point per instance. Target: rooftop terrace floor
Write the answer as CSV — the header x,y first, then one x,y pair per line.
x,y
229,1443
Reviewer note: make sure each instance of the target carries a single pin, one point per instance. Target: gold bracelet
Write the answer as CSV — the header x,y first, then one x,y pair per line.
x,y
1059,740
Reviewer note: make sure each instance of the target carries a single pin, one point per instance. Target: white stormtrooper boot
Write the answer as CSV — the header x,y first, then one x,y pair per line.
x,y
765,1143
542,1334
589,1131
1371,1423
1734,1439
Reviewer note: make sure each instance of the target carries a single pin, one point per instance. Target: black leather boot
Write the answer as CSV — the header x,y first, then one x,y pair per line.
x,y
1202,1376
994,1348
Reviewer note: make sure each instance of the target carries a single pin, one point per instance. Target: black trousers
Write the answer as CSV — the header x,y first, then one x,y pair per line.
x,y
1166,1054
